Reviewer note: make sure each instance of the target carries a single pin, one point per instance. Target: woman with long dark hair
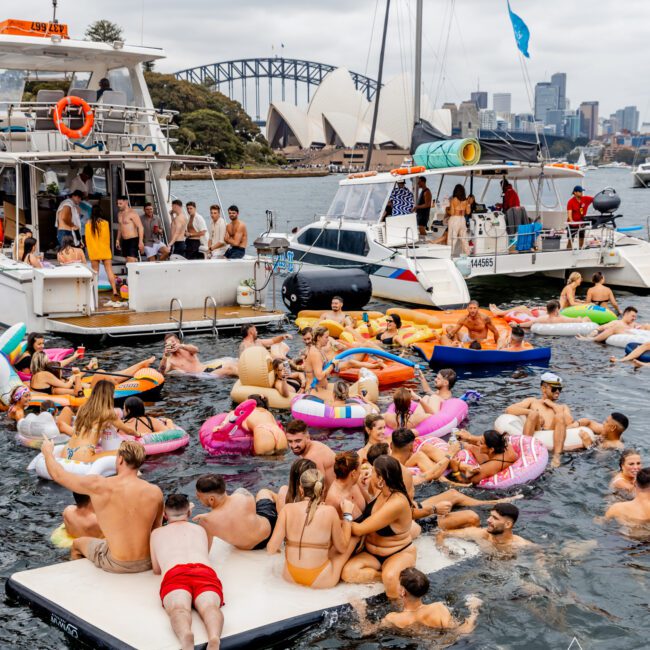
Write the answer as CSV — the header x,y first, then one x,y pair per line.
x,y
98,243
31,255
492,452
386,525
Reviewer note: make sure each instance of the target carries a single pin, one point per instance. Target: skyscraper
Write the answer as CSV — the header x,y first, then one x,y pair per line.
x,y
502,103
588,119
630,119
480,98
559,81
546,99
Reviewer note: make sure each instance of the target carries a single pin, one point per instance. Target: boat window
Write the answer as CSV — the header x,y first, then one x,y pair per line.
x,y
79,80
353,242
377,199
360,201
121,80
12,85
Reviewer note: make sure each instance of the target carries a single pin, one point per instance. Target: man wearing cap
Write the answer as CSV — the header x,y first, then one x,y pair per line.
x,y
401,199
577,208
546,413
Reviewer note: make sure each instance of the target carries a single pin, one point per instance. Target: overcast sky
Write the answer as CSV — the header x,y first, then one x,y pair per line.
x,y
602,45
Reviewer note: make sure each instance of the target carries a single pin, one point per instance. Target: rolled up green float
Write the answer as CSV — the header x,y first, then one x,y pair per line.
x,y
595,313
448,153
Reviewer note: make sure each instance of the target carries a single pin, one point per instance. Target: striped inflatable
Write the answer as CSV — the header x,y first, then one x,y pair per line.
x,y
316,413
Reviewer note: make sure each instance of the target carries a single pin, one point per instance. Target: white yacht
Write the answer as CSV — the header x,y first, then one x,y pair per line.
x,y
641,175
128,149
354,233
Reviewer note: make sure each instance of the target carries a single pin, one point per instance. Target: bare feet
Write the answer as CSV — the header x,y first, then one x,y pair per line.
x,y
555,462
495,310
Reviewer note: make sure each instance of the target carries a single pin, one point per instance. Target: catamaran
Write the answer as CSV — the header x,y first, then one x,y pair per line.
x,y
125,140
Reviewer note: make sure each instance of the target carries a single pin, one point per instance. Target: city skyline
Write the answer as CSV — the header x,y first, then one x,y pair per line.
x,y
563,37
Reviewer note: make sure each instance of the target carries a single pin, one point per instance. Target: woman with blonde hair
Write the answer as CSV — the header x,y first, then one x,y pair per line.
x,y
318,543
568,295
95,420
46,378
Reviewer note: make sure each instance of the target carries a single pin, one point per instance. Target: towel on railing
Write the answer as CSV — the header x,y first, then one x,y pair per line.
x,y
526,236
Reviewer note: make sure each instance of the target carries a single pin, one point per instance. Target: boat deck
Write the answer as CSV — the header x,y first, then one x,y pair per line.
x,y
118,323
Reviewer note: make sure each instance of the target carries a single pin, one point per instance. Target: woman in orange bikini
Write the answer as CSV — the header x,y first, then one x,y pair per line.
x,y
318,543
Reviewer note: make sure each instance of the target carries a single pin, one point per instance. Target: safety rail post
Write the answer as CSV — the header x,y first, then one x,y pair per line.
x,y
178,320
210,299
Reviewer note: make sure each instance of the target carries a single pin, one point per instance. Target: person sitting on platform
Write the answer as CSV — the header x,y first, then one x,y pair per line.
x,y
80,519
154,246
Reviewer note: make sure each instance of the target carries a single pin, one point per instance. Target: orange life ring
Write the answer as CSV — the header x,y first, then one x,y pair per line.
x,y
89,117
403,171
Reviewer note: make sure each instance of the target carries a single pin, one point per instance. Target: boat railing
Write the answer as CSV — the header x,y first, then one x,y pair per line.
x,y
28,126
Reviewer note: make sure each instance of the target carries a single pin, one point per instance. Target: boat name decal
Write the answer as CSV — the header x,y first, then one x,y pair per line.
x,y
68,628
482,262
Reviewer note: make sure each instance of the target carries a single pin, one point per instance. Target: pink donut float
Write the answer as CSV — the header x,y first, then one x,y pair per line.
x,y
316,413
232,438
530,464
161,442
452,412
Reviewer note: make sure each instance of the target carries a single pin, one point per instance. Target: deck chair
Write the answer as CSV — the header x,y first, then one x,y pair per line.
x,y
113,119
88,95
527,235
44,121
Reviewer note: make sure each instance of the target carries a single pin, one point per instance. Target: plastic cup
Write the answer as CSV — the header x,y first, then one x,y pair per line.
x,y
81,351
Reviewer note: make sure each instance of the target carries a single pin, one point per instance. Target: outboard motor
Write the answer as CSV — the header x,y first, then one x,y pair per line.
x,y
606,202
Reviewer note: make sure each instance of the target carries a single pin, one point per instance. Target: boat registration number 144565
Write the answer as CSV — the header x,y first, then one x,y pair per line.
x,y
482,262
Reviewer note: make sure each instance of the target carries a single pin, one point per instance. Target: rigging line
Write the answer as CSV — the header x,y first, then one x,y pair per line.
x,y
405,91
436,53
362,106
445,55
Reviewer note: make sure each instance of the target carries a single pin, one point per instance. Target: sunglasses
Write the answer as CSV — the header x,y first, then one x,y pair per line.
x,y
390,320
556,389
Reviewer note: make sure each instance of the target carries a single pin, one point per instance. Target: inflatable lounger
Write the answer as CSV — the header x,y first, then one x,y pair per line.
x,y
248,578
446,355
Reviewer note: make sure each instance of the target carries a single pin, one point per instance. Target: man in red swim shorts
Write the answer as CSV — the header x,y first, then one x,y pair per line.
x,y
180,552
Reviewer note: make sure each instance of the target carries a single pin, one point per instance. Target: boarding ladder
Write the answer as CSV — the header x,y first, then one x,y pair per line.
x,y
178,320
210,301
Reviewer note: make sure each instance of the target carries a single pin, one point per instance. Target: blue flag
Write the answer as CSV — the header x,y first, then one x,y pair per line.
x,y
522,33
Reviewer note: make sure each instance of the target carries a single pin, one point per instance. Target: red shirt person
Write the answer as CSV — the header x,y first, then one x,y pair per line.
x,y
510,196
578,205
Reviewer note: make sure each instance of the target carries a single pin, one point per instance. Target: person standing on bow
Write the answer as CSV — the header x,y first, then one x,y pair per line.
x,y
577,208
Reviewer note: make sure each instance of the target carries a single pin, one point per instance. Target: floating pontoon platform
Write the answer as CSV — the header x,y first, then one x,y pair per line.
x,y
105,610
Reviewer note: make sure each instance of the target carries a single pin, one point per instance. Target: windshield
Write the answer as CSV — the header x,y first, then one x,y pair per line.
x,y
12,85
364,202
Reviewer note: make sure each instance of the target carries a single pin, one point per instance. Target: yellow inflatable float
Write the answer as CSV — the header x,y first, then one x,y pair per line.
x,y
311,317
416,326
256,377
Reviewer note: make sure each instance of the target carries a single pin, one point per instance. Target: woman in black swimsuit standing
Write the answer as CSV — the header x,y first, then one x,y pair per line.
x,y
386,525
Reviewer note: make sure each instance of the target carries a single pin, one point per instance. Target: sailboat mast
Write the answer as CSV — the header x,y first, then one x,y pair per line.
x,y
380,73
418,62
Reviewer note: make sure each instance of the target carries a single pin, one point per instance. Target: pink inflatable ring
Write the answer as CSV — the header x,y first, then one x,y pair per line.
x,y
232,438
452,412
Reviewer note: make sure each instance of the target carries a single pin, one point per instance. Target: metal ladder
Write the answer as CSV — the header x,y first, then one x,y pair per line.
x,y
178,320
213,302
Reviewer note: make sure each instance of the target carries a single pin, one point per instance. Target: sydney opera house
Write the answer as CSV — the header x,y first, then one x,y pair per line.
x,y
339,118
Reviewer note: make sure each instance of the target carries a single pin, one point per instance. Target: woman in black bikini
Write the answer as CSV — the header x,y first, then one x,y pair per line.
x,y
386,525
492,452
46,378
135,416
600,294
387,336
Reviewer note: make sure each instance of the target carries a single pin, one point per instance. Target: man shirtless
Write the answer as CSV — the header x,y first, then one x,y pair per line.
x,y
276,346
177,242
128,509
131,233
180,552
336,313
625,324
185,358
80,519
302,445
497,535
240,519
637,511
478,326
236,235
610,431
443,382
546,413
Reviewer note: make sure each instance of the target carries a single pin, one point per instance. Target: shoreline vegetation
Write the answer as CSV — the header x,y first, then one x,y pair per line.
x,y
248,172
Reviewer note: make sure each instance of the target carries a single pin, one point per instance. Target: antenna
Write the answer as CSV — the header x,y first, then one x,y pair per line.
x,y
54,4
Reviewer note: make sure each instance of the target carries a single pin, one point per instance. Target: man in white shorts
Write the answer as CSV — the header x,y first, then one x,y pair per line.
x,y
154,245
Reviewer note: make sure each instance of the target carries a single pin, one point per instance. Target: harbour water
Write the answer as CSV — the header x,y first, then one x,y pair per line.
x,y
588,581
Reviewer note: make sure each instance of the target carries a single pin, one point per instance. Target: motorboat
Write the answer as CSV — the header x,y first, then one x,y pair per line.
x,y
641,175
403,267
43,147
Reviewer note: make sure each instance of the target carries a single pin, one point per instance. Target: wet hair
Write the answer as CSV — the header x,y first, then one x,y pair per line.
x,y
31,339
597,277
377,450
81,500
625,454
277,363
260,401
234,208
507,510
131,452
369,423
318,333
459,193
574,277
629,309
298,466
402,438
28,246
414,582
134,407
214,206
345,462
620,419
209,483
518,332
475,345
643,478
295,426
402,401
397,319
312,485
390,470
190,203
246,328
495,441
177,202
177,503
341,390
449,375
552,306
